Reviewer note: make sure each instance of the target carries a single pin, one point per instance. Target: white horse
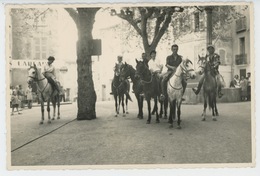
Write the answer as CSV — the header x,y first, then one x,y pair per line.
x,y
175,90
45,91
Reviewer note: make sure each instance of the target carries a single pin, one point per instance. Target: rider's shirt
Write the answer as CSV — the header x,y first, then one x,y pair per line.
x,y
173,60
214,60
49,71
155,65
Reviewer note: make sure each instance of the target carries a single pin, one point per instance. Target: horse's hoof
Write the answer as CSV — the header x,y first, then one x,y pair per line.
x,y
49,121
123,115
203,119
116,115
58,118
171,126
53,119
148,122
127,112
214,119
40,123
179,127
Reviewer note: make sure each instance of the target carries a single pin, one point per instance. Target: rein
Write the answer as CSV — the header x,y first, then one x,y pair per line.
x,y
185,71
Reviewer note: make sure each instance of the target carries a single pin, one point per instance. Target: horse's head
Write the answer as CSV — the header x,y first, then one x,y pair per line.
x,y
202,64
140,68
32,74
124,71
187,68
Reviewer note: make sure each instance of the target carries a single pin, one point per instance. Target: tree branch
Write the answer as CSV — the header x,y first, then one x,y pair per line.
x,y
74,15
130,20
159,21
164,27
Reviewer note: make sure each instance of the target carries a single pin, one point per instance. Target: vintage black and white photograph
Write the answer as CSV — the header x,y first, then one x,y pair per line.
x,y
166,85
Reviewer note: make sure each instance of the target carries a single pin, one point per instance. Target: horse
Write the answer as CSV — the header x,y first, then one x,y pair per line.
x,y
128,71
150,87
175,90
209,88
119,89
45,91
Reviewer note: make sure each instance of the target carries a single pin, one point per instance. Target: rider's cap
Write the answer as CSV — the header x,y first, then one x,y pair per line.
x,y
51,58
210,46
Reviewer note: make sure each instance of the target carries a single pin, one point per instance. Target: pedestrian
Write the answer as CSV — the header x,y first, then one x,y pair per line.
x,y
235,83
243,84
15,102
172,62
145,59
29,96
21,96
62,96
248,86
214,60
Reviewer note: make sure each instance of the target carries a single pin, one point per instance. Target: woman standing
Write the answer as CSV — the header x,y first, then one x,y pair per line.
x,y
29,96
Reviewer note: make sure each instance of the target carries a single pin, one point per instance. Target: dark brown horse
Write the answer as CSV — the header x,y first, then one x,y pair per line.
x,y
128,71
150,88
119,89
46,92
209,88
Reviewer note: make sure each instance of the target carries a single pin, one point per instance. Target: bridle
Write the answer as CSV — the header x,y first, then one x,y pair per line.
x,y
185,71
141,73
38,80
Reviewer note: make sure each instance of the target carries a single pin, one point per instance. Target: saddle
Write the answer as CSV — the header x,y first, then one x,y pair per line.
x,y
53,84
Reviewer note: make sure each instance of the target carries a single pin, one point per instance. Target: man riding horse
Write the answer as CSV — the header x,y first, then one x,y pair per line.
x,y
172,62
214,61
49,73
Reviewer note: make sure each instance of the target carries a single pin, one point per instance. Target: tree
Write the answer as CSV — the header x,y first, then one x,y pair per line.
x,y
84,19
150,23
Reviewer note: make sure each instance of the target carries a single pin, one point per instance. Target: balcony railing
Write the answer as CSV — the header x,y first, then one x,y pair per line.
x,y
241,24
241,59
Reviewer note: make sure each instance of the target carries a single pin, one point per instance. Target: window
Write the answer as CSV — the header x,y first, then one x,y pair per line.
x,y
40,48
242,45
196,21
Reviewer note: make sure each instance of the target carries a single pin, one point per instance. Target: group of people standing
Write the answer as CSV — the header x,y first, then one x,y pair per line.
x,y
19,97
173,61
244,83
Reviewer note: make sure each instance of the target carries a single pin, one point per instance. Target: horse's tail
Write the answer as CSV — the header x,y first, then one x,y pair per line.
x,y
210,96
128,96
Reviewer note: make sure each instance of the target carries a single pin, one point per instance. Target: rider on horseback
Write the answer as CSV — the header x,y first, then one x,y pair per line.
x,y
49,73
155,66
214,61
117,66
172,62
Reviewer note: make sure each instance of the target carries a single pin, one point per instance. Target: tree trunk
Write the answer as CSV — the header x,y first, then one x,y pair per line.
x,y
86,92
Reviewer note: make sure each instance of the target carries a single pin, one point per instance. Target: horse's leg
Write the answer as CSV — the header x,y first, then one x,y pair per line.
x,y
161,108
156,109
58,105
141,107
126,105
171,114
149,110
179,114
165,107
214,108
42,109
205,107
116,111
54,108
48,110
123,105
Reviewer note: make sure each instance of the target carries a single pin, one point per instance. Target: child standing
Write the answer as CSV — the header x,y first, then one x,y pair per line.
x,y
15,102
